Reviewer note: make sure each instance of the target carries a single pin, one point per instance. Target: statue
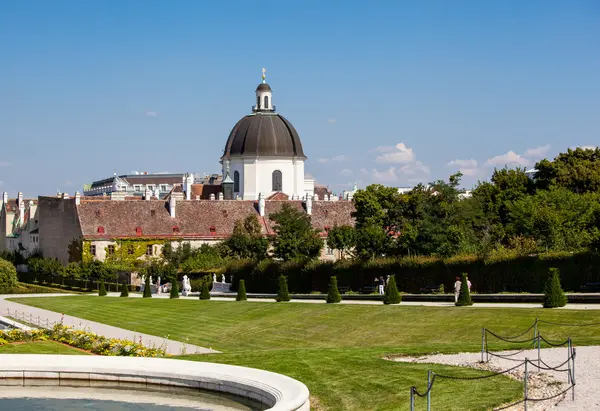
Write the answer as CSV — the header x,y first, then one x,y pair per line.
x,y
214,278
158,287
187,288
223,279
231,278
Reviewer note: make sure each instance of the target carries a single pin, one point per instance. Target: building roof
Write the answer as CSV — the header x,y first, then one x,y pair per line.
x,y
263,134
263,87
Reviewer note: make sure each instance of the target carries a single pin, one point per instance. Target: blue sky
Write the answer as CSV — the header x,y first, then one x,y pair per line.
x,y
391,92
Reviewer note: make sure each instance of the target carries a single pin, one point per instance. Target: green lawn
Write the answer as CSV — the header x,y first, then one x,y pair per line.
x,y
40,347
336,349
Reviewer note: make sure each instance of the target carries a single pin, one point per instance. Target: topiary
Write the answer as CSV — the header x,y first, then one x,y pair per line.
x,y
333,295
554,296
8,276
464,297
283,294
391,295
102,289
147,290
205,294
124,290
174,288
241,294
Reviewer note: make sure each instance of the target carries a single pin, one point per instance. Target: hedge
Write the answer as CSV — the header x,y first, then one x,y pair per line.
x,y
74,284
508,274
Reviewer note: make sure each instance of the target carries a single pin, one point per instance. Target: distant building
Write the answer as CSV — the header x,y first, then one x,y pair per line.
x,y
137,185
19,224
531,173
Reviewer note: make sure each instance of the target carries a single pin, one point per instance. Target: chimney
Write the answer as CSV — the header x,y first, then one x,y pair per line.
x,y
315,197
261,205
188,180
65,196
197,198
212,196
4,199
308,205
21,203
77,198
220,196
172,203
147,194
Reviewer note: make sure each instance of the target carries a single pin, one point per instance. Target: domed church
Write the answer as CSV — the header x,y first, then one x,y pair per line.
x,y
263,155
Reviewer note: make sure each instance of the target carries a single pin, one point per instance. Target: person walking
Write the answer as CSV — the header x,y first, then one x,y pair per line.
x,y
381,285
457,285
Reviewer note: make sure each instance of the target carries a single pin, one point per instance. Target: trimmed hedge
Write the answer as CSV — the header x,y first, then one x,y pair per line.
x,y
514,274
73,284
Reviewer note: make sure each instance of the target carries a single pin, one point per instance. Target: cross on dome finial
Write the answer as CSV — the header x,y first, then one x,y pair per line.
x,y
264,75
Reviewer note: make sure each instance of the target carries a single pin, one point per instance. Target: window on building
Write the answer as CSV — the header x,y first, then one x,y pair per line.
x,y
257,102
93,250
213,229
266,101
111,249
175,229
163,188
138,230
137,188
236,181
149,250
277,181
150,187
329,251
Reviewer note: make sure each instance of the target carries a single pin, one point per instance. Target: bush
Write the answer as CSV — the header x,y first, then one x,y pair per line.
x,y
174,288
283,293
554,296
102,289
205,294
391,295
333,295
147,290
8,276
464,297
241,294
124,290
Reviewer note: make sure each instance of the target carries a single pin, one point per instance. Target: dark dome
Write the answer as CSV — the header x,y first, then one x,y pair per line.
x,y
264,134
263,87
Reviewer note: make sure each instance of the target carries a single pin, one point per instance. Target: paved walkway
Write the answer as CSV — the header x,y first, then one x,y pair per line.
x,y
38,315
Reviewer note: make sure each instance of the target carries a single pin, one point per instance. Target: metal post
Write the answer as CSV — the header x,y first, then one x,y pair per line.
x,y
482,342
569,359
412,398
539,351
525,386
573,375
429,390
535,331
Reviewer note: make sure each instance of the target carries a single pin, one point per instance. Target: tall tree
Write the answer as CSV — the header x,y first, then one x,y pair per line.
x,y
295,237
342,238
247,240
576,170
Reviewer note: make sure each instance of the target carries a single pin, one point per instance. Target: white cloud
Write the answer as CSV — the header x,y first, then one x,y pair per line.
x,y
331,120
151,114
346,172
5,164
386,176
588,147
538,152
383,149
417,168
469,171
400,155
338,158
510,158
470,163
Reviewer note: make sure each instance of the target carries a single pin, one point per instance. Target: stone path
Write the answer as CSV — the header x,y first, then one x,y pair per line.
x,y
172,347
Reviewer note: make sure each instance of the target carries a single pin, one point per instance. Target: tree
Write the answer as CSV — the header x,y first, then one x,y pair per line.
x,y
102,289
147,290
205,293
333,295
124,290
8,276
371,242
247,240
576,170
391,295
294,235
241,294
374,206
283,293
464,296
342,238
174,288
554,296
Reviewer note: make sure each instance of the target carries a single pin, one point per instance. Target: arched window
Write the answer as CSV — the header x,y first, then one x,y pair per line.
x,y
277,181
258,102
236,181
266,102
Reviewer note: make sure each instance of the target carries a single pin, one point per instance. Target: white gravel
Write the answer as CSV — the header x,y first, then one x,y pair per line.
x,y
541,384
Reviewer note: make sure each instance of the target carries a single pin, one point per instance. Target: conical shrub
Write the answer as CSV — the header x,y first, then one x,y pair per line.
x,y
205,294
174,288
124,290
391,295
333,295
241,294
102,289
464,296
554,296
147,290
283,294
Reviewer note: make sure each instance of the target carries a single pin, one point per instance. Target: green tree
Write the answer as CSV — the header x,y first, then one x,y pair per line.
x,y
342,238
283,293
554,296
391,295
147,290
174,288
576,170
102,289
333,295
371,242
247,240
374,206
464,297
205,293
124,290
295,237
8,276
241,294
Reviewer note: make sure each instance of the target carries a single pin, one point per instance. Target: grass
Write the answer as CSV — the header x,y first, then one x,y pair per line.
x,y
39,347
337,350
26,288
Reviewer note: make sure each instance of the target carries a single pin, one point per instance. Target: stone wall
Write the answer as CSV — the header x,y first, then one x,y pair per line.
x,y
58,227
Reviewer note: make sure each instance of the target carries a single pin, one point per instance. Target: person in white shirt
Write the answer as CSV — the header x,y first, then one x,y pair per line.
x,y
457,285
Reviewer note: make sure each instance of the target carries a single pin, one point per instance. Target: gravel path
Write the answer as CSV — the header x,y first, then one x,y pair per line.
x,y
541,384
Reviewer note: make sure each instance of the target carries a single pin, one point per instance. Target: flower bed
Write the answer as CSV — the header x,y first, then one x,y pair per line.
x,y
96,344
